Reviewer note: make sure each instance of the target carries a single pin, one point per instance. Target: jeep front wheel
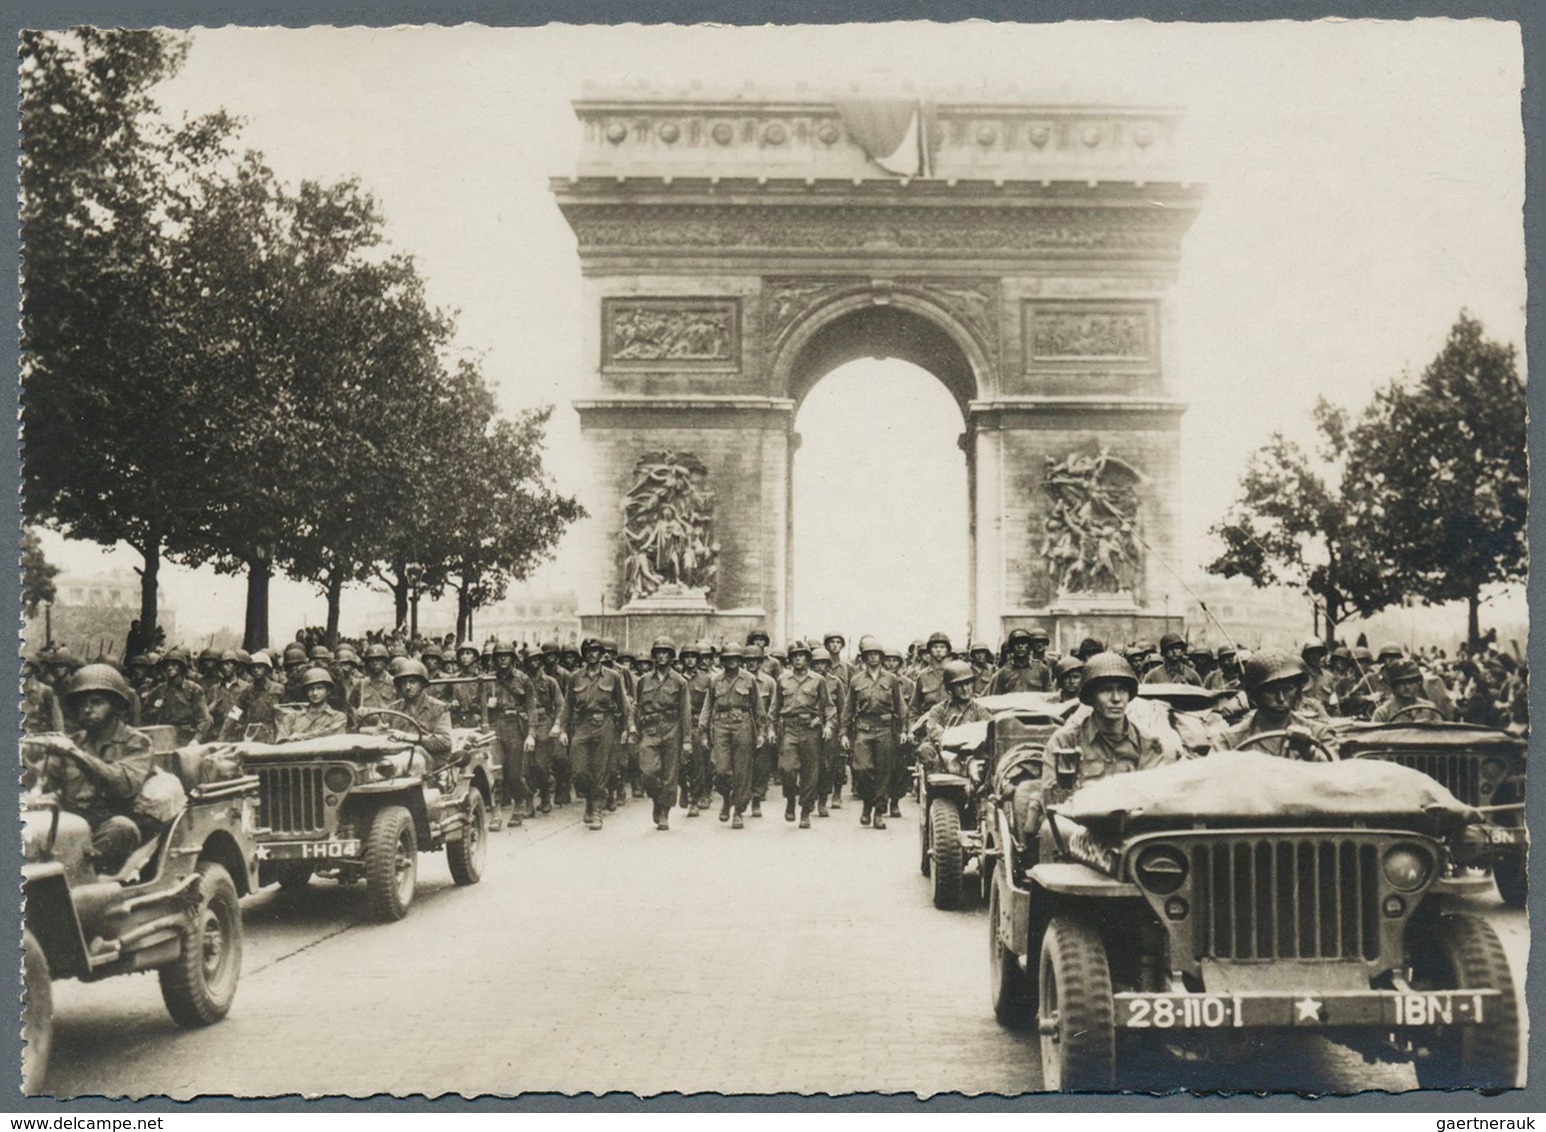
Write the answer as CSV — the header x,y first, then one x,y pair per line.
x,y
1463,953
1009,988
1510,869
1075,1014
466,856
391,864
37,1015
200,984
945,848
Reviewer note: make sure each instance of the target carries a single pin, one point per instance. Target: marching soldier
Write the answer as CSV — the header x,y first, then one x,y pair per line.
x,y
686,664
1023,673
596,708
703,755
983,668
179,701
766,754
1069,674
874,722
731,722
664,708
758,638
929,687
901,766
508,708
375,689
465,698
829,746
318,718
553,668
839,673
207,668
547,705
805,720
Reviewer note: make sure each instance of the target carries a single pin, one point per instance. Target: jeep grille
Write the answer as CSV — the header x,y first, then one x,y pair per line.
x,y
1286,897
290,799
1458,773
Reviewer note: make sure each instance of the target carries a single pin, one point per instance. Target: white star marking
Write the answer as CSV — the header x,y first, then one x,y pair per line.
x,y
1309,1009
262,852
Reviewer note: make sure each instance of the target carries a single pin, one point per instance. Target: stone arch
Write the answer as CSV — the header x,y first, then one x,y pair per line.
x,y
866,321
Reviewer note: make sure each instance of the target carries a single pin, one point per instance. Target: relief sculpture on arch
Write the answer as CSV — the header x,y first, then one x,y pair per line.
x,y
668,544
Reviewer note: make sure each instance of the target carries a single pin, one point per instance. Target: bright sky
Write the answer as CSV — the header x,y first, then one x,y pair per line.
x,y
1365,183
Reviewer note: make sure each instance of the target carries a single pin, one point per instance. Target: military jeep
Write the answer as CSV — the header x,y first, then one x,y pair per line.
x,y
1194,909
172,908
360,807
1483,767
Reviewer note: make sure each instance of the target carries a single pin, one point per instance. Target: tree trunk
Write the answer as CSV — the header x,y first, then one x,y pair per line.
x,y
1473,630
255,631
150,587
463,614
335,595
400,592
413,616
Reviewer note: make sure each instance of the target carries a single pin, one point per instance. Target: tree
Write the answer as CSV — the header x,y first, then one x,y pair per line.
x,y
37,574
1291,525
1442,463
100,182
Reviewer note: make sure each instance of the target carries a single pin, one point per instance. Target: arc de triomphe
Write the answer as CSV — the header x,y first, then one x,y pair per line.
x,y
737,248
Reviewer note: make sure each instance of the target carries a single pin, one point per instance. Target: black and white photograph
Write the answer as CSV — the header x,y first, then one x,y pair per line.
x,y
931,559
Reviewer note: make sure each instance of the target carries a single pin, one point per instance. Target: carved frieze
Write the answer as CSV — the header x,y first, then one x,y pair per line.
x,y
1076,334
1089,537
667,543
671,333
973,302
786,299
841,228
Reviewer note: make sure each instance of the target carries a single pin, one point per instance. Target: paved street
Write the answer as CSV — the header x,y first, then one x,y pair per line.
x,y
767,960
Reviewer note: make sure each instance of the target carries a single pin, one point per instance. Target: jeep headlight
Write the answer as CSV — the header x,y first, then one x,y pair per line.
x,y
386,768
1161,869
1407,867
338,779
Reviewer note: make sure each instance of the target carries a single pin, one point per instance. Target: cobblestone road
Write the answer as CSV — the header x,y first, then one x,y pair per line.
x,y
766,960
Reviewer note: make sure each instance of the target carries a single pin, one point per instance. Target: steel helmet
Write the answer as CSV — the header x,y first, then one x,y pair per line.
x,y
1089,647
1390,652
261,657
1227,649
1202,651
100,678
975,647
64,656
1272,666
1039,634
1106,666
396,649
550,647
834,636
395,665
321,653
758,635
1170,639
665,643
820,653
939,637
230,655
465,646
1363,656
317,676
1402,670
1312,645
689,649
1341,652
870,644
780,654
797,647
295,653
893,653
243,656
959,672
756,652
1018,635
346,655
210,654
432,649
172,656
1066,665
138,660
609,644
377,651
504,647
410,668
589,645
732,650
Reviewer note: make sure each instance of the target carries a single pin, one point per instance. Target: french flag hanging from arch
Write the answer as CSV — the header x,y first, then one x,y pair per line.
x,y
896,133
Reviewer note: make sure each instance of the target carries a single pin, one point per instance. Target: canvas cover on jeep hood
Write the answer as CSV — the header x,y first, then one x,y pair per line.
x,y
1252,785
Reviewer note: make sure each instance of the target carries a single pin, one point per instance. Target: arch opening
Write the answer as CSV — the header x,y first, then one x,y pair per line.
x,y
880,512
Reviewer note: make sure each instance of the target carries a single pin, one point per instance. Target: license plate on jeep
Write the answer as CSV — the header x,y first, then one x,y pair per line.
x,y
313,850
1138,1011
1504,835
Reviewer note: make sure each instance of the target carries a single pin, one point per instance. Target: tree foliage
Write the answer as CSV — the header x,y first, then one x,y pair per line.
x,y
1295,524
1441,462
37,574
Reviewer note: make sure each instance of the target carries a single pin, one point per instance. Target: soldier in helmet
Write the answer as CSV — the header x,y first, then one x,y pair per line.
x,y
547,704
686,665
901,766
433,716
664,708
983,669
804,719
765,757
838,675
1202,660
179,701
1104,742
208,671
227,691
375,689
318,717
959,708
1406,695
508,707
1069,675
596,711
731,722
465,697
874,725
828,747
1275,682
1024,672
698,682
759,638
39,703
1173,667
100,776
258,704
929,686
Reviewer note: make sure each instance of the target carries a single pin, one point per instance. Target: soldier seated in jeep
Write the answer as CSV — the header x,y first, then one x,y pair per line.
x,y
99,772
432,716
1275,682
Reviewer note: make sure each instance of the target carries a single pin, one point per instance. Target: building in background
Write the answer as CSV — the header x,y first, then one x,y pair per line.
x,y
91,614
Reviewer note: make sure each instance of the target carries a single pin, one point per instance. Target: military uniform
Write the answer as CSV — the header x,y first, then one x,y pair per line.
x,y
700,774
733,721
1250,724
873,713
434,719
1100,755
466,700
1168,673
310,722
258,705
941,718
508,708
181,707
765,755
928,689
547,705
803,712
107,803
40,707
373,691
1032,676
664,708
596,708
227,695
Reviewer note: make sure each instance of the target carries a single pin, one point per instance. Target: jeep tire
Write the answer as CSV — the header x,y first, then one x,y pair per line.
x,y
1009,988
200,984
1462,952
467,855
37,1018
949,856
1075,1013
391,864
923,835
1510,869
